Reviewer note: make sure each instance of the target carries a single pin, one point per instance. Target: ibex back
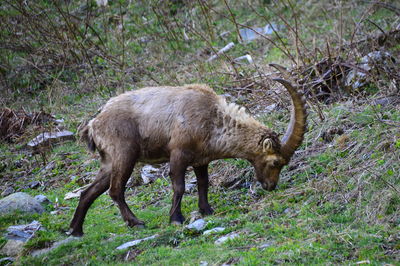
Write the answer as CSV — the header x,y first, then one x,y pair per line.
x,y
185,126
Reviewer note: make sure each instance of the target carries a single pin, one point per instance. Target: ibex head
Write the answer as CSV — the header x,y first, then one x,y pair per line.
x,y
274,154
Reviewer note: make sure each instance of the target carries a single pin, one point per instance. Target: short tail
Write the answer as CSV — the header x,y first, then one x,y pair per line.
x,y
86,136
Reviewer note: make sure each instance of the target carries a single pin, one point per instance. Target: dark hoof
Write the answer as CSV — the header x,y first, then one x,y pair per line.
x,y
140,226
177,219
206,211
135,223
77,233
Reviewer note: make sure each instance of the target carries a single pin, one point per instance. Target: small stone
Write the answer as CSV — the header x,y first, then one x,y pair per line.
x,y
34,184
189,188
225,238
12,248
50,137
42,199
149,174
22,232
271,107
265,245
245,58
135,242
7,191
214,230
287,210
223,50
256,32
203,263
197,225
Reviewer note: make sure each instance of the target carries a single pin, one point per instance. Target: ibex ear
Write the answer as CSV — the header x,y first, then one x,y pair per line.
x,y
267,145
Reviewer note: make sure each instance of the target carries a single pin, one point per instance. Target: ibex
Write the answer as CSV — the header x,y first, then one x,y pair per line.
x,y
185,126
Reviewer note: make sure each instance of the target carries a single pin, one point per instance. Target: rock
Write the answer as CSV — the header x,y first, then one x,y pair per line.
x,y
34,184
194,215
223,50
197,225
189,188
7,191
102,3
214,230
271,107
50,137
22,232
225,238
248,35
287,210
42,199
245,58
203,263
75,193
149,174
20,202
12,248
266,245
40,252
135,242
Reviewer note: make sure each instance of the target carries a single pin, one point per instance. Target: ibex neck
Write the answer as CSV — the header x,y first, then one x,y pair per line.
x,y
236,133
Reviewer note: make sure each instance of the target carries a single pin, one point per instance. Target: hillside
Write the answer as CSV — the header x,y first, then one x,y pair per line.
x,y
338,200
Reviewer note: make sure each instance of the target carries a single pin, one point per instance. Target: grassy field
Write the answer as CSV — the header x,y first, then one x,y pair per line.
x,y
337,202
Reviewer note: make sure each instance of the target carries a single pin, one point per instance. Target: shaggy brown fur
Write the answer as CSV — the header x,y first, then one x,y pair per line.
x,y
186,126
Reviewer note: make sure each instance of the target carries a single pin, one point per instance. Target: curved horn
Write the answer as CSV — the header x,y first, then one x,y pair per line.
x,y
298,121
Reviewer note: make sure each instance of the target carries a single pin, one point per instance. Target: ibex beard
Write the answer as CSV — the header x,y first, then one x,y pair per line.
x,y
185,126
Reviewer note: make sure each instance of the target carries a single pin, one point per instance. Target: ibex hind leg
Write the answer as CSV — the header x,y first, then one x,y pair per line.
x,y
88,196
122,167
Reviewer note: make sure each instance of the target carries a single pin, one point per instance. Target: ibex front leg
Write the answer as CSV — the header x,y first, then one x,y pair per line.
x,y
177,174
202,186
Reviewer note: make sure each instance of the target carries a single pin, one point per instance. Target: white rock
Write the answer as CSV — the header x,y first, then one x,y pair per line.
x,y
102,2
214,230
255,33
50,137
23,232
135,242
197,225
246,57
75,193
265,245
223,50
225,238
149,174
42,199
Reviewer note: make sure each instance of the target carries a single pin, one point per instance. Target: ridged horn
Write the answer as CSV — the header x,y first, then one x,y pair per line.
x,y
298,121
